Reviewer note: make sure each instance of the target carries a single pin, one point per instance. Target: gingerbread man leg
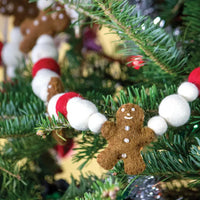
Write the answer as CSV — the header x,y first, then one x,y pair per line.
x,y
108,158
130,165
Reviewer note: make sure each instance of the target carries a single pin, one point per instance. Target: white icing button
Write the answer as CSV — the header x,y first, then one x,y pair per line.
x,y
124,155
10,7
58,8
123,109
126,140
20,9
4,2
61,16
127,128
44,18
50,86
36,23
2,10
132,109
28,31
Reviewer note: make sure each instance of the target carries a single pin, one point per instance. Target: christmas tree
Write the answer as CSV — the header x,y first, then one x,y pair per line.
x,y
46,107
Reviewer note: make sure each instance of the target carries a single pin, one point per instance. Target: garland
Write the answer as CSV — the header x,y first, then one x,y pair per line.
x,y
127,135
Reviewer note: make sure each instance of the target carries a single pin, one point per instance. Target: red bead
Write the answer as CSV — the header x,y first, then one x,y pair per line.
x,y
1,47
135,61
61,105
46,63
194,77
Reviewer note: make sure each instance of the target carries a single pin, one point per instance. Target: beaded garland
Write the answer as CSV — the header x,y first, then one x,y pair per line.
x,y
174,110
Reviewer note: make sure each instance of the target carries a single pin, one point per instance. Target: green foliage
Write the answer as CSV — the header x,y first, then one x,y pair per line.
x,y
191,32
123,19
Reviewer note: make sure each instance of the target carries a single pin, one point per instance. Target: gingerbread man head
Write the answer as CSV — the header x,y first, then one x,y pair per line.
x,y
130,114
125,139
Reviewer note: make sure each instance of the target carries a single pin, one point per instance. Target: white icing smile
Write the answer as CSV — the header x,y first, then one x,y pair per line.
x,y
128,117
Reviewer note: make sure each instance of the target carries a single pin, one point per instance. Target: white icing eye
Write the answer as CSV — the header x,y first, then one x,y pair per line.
x,y
123,109
133,109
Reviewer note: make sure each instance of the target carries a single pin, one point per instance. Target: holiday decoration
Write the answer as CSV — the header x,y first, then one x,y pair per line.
x,y
11,55
194,77
135,61
20,9
1,46
144,187
125,139
77,110
44,48
45,23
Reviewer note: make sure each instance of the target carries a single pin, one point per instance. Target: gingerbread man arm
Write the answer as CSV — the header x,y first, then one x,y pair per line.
x,y
108,130
147,135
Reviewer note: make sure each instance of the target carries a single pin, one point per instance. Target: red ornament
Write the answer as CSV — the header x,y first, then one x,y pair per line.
x,y
1,47
194,77
61,105
135,61
66,149
46,63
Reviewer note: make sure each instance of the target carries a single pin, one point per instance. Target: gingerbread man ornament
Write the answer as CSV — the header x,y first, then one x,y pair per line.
x,y
125,139
50,21
20,9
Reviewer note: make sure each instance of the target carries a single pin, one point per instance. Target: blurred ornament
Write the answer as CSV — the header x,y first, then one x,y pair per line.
x,y
54,190
90,39
144,188
1,47
66,149
135,61
194,77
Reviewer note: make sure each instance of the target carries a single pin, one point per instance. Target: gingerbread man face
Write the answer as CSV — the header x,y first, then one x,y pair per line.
x,y
125,139
130,114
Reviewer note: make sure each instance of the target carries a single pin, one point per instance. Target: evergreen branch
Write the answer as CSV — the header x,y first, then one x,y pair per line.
x,y
89,145
19,126
10,173
154,42
134,38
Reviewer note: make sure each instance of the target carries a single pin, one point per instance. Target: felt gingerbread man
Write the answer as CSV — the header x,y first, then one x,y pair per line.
x,y
20,9
50,21
125,139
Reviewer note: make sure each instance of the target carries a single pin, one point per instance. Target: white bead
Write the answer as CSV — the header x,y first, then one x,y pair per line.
x,y
42,4
78,112
127,128
40,83
11,55
45,39
175,110
158,125
15,35
51,108
124,155
95,122
189,91
44,51
126,140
